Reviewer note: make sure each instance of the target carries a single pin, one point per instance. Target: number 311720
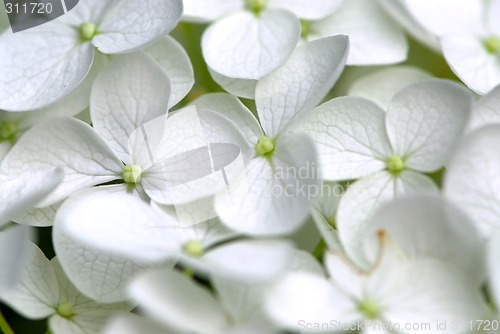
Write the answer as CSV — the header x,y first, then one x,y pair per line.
x,y
27,8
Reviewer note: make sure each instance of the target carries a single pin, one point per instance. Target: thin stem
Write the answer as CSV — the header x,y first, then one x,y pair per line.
x,y
4,325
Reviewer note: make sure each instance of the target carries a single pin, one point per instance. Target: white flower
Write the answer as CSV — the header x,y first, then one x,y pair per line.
x,y
120,224
493,257
183,306
472,180
130,92
44,64
469,36
251,38
273,198
388,152
45,291
397,290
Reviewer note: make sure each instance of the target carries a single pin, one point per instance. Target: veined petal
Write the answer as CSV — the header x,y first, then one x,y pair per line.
x,y
174,61
308,9
381,86
472,180
201,11
37,293
245,46
350,136
69,144
42,217
39,67
98,274
288,93
131,91
426,120
87,11
130,25
471,62
273,200
493,257
374,38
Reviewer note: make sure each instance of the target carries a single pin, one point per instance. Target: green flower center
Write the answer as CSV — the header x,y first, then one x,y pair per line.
x,y
492,44
264,146
65,310
88,31
369,308
132,174
8,131
306,28
193,248
256,6
395,164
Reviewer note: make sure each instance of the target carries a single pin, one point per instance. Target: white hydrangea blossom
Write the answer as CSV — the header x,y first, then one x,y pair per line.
x,y
45,292
59,55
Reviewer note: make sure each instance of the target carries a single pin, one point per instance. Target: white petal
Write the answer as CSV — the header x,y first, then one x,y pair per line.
x,y
234,110
20,194
39,217
308,9
272,201
130,25
245,46
374,37
131,91
99,275
350,136
287,94
472,180
67,143
246,260
486,110
400,13
173,59
38,68
367,195
426,291
381,86
89,322
471,62
118,224
238,87
428,226
173,299
443,16
200,11
304,298
425,121
14,243
37,293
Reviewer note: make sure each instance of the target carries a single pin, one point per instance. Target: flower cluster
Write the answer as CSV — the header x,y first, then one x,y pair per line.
x,y
252,166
